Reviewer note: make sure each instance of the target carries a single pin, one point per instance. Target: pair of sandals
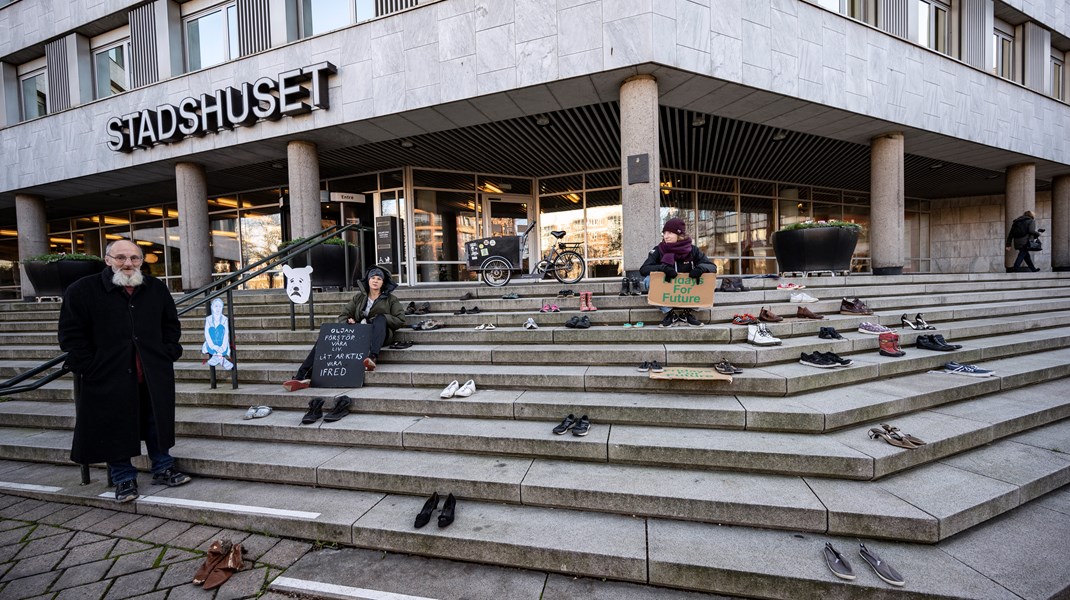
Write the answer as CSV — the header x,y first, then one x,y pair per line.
x,y
257,412
917,324
428,325
223,560
894,436
637,324
486,327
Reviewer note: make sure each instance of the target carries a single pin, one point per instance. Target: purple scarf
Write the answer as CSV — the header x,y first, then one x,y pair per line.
x,y
679,251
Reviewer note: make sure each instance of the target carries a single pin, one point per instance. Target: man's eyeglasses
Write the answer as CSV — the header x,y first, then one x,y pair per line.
x,y
121,259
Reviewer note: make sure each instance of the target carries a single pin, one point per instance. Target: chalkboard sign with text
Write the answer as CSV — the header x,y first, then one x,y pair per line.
x,y
340,352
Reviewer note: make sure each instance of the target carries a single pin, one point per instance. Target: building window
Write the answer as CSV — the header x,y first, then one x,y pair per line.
x,y
1057,78
33,94
110,69
933,25
1003,50
861,10
211,37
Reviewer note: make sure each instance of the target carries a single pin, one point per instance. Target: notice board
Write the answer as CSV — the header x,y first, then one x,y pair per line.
x,y
339,358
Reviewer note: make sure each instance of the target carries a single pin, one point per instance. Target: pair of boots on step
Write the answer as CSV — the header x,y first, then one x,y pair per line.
x,y
631,286
585,302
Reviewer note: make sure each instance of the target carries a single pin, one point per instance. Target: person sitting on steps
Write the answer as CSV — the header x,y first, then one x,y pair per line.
x,y
1022,231
674,255
374,304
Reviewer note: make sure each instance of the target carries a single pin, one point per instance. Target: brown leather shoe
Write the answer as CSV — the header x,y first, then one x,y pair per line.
x,y
231,564
854,307
217,553
769,316
806,313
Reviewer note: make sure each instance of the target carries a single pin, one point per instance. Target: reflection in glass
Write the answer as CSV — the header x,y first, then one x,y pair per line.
x,y
34,97
110,68
605,230
225,249
756,225
323,15
206,41
560,213
232,30
717,232
443,221
261,233
365,10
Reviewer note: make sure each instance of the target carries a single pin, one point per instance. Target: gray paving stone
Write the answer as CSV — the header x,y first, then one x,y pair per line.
x,y
128,547
139,527
174,555
1055,437
26,567
27,586
82,538
257,545
15,535
134,584
560,587
180,573
87,552
14,510
45,545
1034,470
243,584
42,511
195,536
865,509
113,523
8,552
166,532
6,524
1011,550
65,514
1058,501
136,562
83,574
191,592
85,520
89,591
44,596
235,537
160,595
285,553
43,531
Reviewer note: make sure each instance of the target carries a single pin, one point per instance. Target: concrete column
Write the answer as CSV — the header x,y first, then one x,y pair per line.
x,y
640,168
33,234
194,243
304,174
886,242
1021,196
1060,223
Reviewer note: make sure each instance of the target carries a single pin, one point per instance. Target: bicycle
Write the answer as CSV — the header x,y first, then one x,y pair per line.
x,y
494,259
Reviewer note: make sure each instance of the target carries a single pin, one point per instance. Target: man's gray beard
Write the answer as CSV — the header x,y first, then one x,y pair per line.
x,y
128,281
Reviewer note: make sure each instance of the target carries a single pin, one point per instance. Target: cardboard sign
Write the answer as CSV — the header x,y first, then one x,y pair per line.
x,y
681,292
693,373
339,358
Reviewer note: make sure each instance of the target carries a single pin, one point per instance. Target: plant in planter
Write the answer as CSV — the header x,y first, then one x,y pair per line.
x,y
51,274
816,246
328,261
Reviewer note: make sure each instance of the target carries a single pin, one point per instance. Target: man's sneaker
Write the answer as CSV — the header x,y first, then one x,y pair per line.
x,y
829,333
568,423
968,370
126,491
840,362
816,360
803,297
583,427
881,568
170,478
744,319
296,384
854,307
644,366
670,318
656,367
759,335
691,319
872,328
726,368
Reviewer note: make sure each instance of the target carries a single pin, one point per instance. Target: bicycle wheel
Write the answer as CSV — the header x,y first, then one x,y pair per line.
x,y
496,272
569,267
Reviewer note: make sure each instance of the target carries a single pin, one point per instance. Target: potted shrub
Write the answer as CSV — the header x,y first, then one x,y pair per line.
x,y
50,274
328,261
816,246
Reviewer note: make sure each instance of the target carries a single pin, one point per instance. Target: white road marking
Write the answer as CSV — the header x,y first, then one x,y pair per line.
x,y
336,592
11,485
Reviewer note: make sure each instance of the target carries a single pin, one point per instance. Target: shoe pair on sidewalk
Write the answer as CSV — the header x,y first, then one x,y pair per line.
x,y
315,410
449,511
456,389
223,560
842,569
126,491
580,427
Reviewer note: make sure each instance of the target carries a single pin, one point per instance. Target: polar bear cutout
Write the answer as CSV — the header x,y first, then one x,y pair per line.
x,y
298,283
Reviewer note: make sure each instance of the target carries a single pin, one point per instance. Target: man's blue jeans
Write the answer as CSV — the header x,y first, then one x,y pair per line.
x,y
123,470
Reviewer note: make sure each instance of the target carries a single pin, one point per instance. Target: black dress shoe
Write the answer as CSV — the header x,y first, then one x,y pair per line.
x,y
939,339
315,411
425,513
466,296
448,509
340,409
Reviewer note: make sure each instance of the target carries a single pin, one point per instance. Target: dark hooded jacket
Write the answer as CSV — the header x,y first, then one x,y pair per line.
x,y
102,329
1023,223
386,304
697,259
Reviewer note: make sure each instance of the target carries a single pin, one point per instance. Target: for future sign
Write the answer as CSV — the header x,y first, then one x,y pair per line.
x,y
265,98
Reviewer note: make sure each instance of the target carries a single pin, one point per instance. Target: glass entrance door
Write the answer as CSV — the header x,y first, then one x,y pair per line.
x,y
507,215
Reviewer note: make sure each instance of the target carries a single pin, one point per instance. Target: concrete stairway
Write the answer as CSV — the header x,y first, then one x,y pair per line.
x,y
673,473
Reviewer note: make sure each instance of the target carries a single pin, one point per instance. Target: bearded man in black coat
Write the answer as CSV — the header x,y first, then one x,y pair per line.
x,y
121,333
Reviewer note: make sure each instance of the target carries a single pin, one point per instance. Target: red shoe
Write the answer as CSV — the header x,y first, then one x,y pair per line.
x,y
296,384
369,364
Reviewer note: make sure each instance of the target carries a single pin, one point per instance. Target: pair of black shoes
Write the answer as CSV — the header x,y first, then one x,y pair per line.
x,y
580,427
566,294
824,360
315,410
449,509
423,309
468,311
829,333
578,322
630,286
935,342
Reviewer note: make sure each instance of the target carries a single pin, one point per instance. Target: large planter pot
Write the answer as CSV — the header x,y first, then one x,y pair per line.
x,y
53,278
328,265
815,249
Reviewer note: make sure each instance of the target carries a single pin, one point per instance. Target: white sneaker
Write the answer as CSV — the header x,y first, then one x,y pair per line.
x,y
467,389
759,335
802,297
531,324
450,390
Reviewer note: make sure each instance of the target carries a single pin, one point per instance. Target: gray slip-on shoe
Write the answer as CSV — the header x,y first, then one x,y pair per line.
x,y
837,563
881,568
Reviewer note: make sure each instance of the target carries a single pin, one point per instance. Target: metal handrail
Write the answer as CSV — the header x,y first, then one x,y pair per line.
x,y
226,284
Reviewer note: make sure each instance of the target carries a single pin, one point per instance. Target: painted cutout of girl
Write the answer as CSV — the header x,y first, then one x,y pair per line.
x,y
217,337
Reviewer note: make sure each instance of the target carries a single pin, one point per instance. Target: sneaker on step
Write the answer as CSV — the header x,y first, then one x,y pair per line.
x,y
644,366
450,390
467,389
530,324
840,362
655,367
170,477
759,335
829,333
854,307
126,491
816,360
968,370
669,319
691,319
803,297
872,328
582,427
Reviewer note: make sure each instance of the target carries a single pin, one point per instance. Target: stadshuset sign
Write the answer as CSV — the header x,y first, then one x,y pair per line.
x,y
265,98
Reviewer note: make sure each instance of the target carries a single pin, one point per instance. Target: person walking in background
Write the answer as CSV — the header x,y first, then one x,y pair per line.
x,y
121,332
674,255
1023,231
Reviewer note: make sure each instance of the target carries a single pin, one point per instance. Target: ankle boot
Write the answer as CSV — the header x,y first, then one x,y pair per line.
x,y
315,411
583,302
590,305
625,287
636,286
425,513
889,345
